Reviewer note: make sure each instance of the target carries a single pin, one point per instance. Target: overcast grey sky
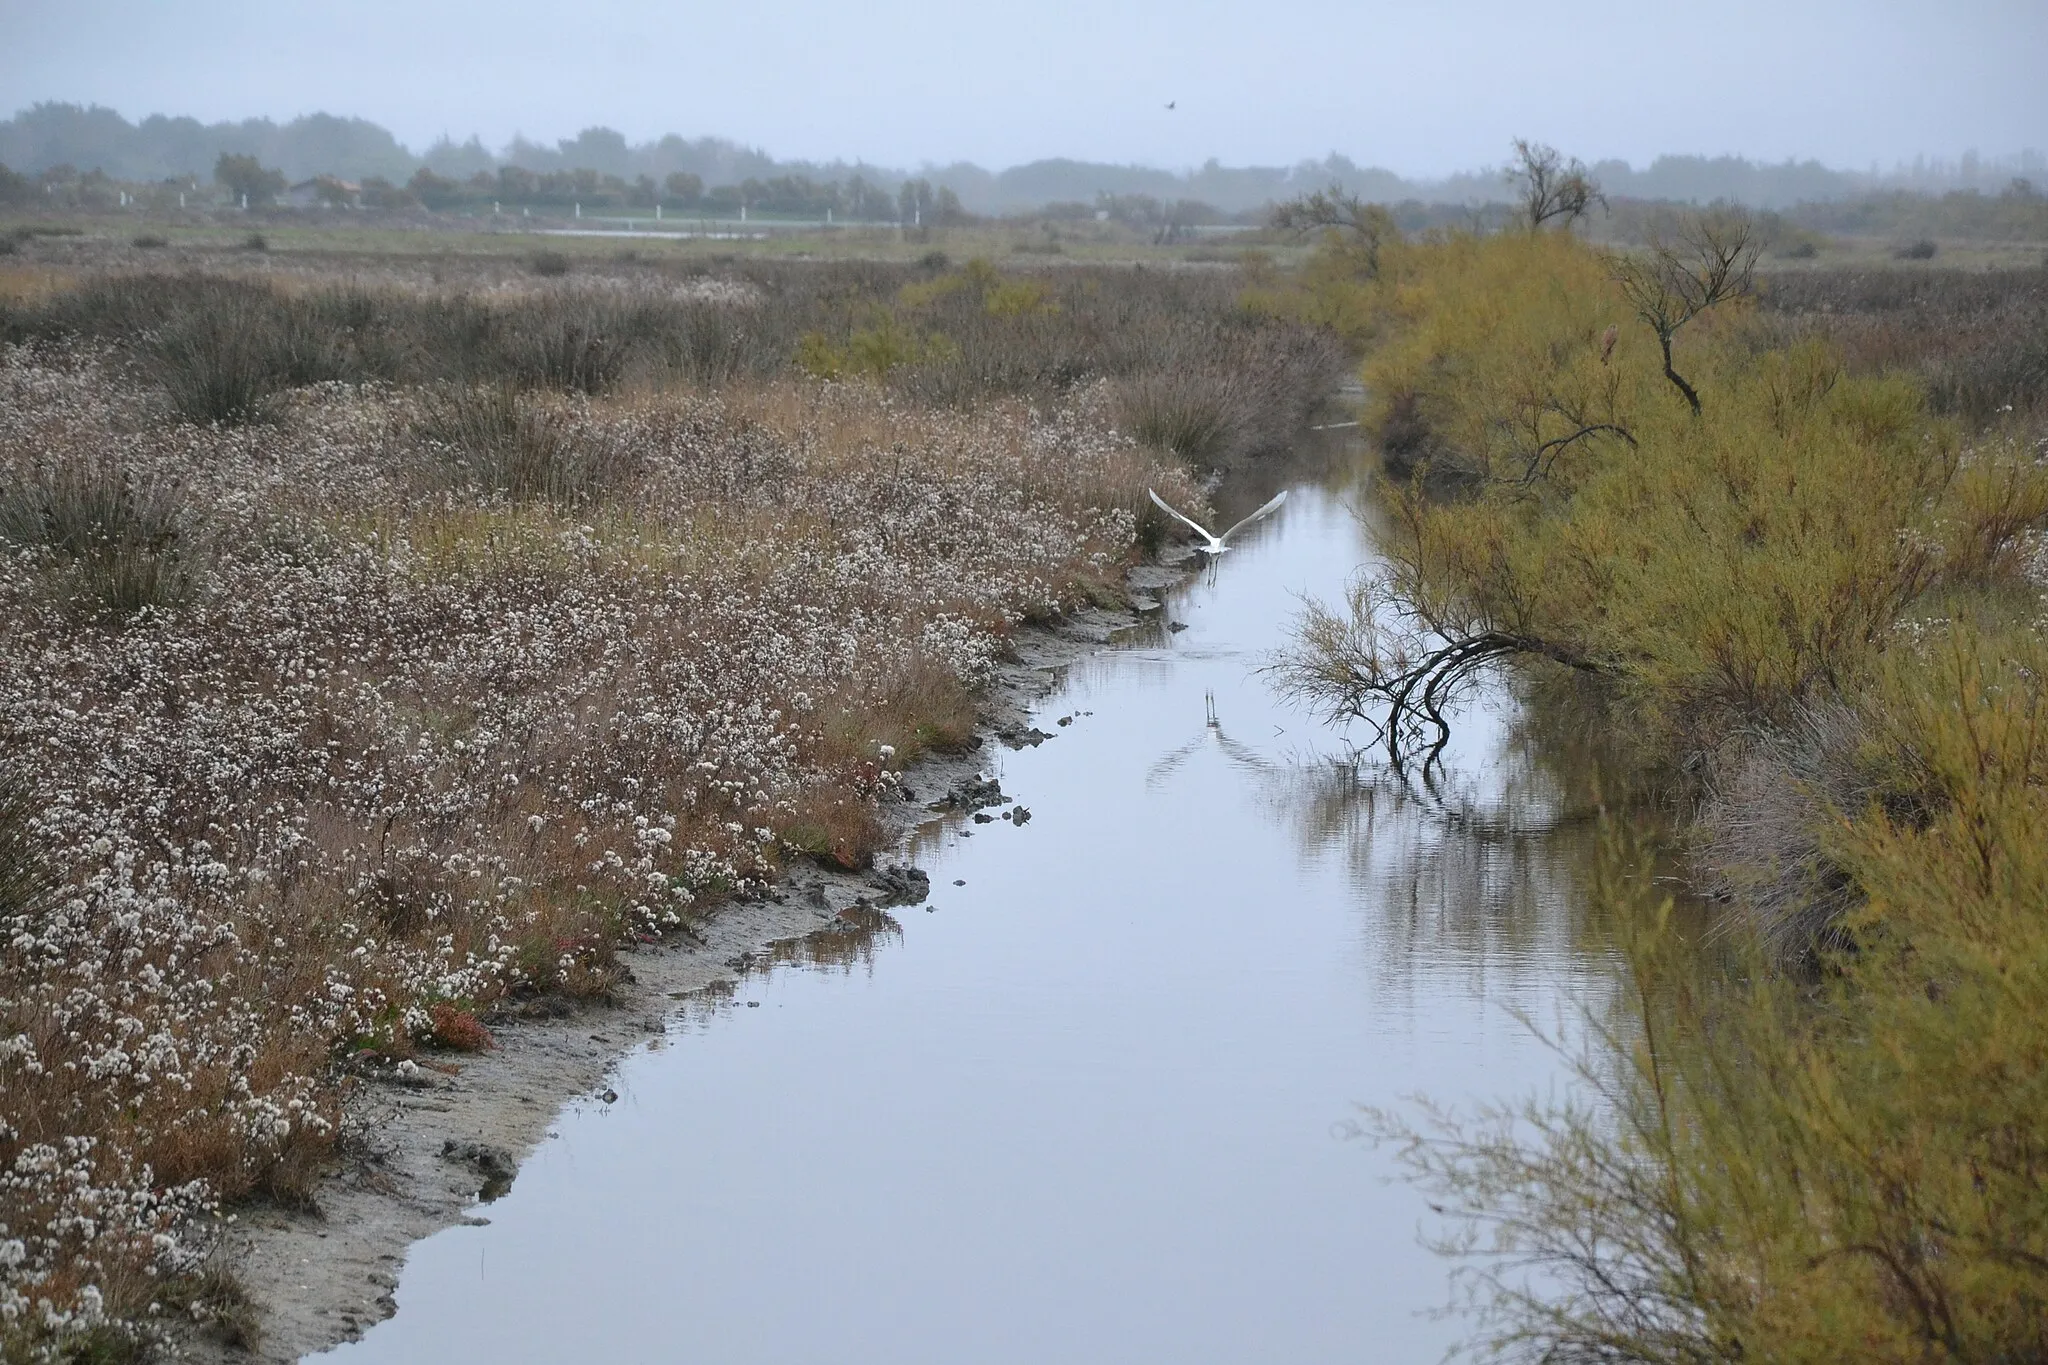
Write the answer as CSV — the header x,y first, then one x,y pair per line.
x,y
1422,88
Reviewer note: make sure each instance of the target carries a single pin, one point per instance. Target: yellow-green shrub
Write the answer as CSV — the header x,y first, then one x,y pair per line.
x,y
1343,286
1855,1168
1000,296
871,352
1849,1163
1719,567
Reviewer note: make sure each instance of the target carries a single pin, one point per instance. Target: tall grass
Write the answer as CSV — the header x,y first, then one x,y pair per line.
x,y
580,345
25,879
219,364
498,440
118,541
1186,412
1977,340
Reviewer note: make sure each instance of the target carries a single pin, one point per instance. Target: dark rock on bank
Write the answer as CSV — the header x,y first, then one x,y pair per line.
x,y
488,1160
900,885
971,794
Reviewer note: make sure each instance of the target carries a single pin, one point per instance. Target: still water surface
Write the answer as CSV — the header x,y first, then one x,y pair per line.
x,y
1091,1106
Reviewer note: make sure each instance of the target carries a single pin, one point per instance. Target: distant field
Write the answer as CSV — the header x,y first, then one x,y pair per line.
x,y
1021,243
99,238
1869,252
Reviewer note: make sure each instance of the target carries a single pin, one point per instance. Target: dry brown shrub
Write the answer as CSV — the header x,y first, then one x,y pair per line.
x,y
1977,339
459,1030
835,825
1761,837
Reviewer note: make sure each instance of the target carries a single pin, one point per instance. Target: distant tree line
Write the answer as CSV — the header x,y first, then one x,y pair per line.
x,y
349,163
2017,212
159,148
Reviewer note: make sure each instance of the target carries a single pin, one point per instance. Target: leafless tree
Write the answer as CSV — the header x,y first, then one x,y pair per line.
x,y
1550,186
1400,659
1709,259
1541,440
1363,226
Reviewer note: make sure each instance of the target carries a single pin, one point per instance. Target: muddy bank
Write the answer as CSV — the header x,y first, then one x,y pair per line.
x,y
425,1145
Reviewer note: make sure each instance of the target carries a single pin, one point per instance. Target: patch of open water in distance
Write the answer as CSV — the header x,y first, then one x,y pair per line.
x,y
1090,1108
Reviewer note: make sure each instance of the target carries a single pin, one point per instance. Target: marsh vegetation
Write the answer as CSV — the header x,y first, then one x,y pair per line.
x,y
384,645
378,657
1784,535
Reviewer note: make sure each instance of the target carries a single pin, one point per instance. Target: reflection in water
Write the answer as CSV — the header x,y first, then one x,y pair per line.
x,y
1086,1109
851,942
848,944
1248,760
1487,888
1478,863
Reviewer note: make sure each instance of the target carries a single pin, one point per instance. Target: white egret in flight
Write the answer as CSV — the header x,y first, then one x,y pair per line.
x,y
1217,545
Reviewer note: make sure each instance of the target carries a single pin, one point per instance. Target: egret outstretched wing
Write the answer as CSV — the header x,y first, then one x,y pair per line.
x,y
1167,508
1278,498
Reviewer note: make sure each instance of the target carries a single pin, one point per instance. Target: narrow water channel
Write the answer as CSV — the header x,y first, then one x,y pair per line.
x,y
1090,1106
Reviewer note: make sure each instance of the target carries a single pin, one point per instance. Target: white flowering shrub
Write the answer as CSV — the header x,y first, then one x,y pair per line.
x,y
405,746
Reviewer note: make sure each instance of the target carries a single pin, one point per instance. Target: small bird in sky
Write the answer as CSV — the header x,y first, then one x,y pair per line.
x,y
1171,103
1216,545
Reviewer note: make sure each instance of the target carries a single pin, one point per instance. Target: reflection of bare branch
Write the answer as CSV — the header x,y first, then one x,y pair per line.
x,y
1488,810
1170,763
1241,755
1468,867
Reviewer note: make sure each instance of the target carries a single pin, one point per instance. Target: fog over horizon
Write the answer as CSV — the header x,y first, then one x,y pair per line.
x,y
1426,91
